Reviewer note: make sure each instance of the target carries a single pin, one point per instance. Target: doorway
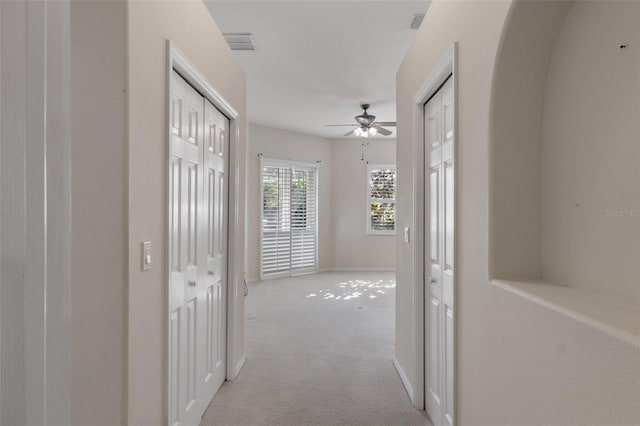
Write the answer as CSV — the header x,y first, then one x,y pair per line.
x,y
439,260
197,251
435,234
200,290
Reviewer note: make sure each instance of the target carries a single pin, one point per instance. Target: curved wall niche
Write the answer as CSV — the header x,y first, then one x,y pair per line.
x,y
565,160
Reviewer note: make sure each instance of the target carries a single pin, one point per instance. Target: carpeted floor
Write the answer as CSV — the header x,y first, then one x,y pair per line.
x,y
319,351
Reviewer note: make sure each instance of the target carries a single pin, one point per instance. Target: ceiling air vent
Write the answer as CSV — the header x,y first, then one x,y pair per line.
x,y
417,20
240,41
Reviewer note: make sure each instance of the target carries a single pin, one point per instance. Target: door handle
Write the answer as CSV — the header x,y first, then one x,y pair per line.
x,y
192,283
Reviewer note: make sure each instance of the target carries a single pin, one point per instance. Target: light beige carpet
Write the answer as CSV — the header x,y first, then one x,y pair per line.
x,y
319,352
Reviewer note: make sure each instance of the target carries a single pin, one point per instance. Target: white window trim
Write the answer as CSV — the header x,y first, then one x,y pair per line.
x,y
384,200
265,161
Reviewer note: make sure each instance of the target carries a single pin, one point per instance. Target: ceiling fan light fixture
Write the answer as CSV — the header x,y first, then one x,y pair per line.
x,y
367,126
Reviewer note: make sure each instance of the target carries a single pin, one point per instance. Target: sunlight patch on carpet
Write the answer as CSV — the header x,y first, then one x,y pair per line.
x,y
354,289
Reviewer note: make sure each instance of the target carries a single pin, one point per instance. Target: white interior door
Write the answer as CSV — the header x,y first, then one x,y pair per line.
x,y
214,221
440,214
197,253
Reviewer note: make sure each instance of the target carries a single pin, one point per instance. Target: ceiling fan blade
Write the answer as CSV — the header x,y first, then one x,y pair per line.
x,y
383,131
340,125
384,123
349,133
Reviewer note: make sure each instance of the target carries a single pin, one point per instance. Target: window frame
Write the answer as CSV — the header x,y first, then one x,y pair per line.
x,y
370,168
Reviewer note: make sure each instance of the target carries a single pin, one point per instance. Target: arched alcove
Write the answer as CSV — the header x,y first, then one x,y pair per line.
x,y
565,159
517,104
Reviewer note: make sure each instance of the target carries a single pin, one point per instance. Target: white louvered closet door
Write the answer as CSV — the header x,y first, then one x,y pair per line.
x,y
289,219
197,253
440,238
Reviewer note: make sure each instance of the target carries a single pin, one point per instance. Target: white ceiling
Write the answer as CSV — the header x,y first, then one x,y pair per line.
x,y
316,61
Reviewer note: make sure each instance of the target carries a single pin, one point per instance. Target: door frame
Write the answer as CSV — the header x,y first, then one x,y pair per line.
x,y
448,66
176,60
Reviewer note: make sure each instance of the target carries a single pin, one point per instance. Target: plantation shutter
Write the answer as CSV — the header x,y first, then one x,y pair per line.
x,y
303,221
289,218
276,246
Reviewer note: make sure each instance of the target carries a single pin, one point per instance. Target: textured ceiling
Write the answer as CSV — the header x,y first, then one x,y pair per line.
x,y
317,61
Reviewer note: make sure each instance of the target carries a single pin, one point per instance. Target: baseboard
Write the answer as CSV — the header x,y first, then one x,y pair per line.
x,y
363,269
404,378
253,280
238,368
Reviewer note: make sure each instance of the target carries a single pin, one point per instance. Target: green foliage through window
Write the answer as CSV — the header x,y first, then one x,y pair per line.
x,y
382,199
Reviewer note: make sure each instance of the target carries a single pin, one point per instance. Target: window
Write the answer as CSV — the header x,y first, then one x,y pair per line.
x,y
289,225
381,199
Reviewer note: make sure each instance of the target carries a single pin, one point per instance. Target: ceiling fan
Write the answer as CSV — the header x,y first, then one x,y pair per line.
x,y
367,126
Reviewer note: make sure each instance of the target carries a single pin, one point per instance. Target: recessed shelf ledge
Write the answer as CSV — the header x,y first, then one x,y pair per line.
x,y
618,319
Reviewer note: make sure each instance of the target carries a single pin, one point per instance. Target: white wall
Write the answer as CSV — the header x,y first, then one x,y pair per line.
x,y
518,363
591,152
352,247
561,152
99,154
286,145
190,26
515,144
119,198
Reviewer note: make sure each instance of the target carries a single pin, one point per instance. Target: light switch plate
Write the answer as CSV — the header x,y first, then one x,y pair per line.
x,y
146,256
406,234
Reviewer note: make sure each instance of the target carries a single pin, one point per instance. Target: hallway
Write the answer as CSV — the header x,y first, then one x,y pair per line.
x,y
320,351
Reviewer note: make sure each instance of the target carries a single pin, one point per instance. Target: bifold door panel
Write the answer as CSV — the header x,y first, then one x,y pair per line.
x,y
439,251
197,252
